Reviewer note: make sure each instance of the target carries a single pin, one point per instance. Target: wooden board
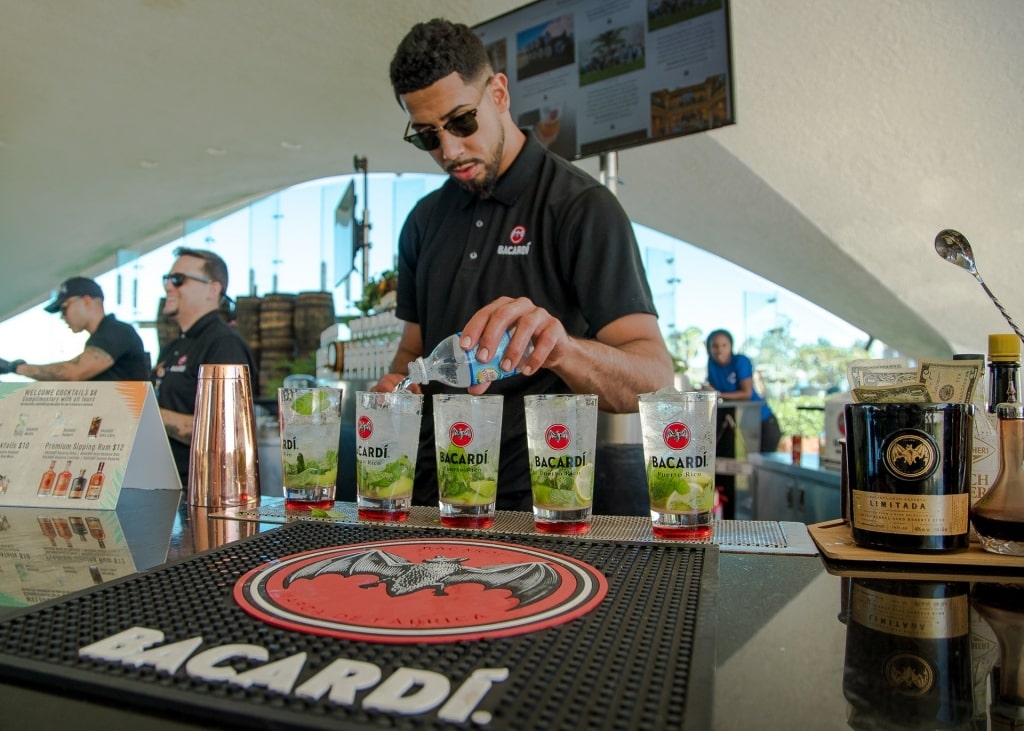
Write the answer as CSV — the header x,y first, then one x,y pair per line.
x,y
844,557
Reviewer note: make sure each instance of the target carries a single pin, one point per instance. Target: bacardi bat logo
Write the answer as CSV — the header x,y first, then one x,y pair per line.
x,y
558,436
517,235
460,434
676,435
910,454
406,590
364,427
528,582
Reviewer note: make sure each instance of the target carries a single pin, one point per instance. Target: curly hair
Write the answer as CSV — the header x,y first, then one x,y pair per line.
x,y
433,50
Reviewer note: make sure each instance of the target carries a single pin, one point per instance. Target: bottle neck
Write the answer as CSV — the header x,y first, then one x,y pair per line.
x,y
418,371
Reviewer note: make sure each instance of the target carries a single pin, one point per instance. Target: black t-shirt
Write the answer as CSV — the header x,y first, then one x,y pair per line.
x,y
176,377
551,233
120,341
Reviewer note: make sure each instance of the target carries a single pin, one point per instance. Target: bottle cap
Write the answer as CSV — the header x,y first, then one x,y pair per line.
x,y
1012,410
1003,347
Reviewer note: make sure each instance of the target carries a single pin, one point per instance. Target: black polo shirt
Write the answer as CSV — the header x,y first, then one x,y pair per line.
x,y
120,341
176,378
549,232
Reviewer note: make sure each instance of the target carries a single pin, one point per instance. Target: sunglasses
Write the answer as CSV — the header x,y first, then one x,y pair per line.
x,y
177,279
462,125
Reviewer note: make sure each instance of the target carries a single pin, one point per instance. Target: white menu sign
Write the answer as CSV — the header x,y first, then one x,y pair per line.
x,y
78,443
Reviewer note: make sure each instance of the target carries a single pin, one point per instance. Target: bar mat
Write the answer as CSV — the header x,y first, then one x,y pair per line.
x,y
642,658
845,557
731,536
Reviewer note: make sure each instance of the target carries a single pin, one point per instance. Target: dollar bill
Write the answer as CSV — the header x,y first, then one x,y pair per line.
x,y
950,381
879,372
904,393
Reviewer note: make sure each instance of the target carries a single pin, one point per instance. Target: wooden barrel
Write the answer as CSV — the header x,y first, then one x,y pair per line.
x,y
277,333
167,330
314,313
247,320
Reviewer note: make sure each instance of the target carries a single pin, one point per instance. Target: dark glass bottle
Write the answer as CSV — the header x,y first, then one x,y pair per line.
x,y
908,655
998,517
1003,370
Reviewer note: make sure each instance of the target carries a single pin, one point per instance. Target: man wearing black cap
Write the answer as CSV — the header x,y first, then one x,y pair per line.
x,y
113,352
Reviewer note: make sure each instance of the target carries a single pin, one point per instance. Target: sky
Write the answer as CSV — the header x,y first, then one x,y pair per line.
x,y
286,243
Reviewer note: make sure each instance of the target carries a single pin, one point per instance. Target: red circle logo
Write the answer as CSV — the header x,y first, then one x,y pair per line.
x,y
432,590
517,235
676,435
364,427
558,437
460,434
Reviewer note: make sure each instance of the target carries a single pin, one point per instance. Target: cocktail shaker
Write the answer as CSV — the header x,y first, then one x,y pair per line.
x,y
224,469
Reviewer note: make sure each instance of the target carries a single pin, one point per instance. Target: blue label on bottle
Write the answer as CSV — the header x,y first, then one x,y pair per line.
x,y
491,370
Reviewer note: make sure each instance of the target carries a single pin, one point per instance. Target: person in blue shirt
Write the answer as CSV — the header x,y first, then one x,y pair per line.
x,y
732,375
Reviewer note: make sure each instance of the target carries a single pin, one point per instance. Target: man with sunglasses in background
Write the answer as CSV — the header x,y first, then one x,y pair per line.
x,y
113,352
195,286
515,238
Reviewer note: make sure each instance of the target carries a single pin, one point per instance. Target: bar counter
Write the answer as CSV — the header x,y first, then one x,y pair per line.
x,y
782,623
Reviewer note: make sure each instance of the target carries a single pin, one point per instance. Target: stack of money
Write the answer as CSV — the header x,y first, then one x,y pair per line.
x,y
893,381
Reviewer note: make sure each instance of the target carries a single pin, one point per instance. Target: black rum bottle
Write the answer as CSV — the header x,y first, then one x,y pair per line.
x,y
77,486
1003,370
908,654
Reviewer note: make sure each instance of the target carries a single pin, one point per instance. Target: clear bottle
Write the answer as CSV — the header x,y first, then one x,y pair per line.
x,y
450,364
1003,370
998,517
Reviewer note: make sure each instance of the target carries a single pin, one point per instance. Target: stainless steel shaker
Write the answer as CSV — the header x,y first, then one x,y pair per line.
x,y
224,466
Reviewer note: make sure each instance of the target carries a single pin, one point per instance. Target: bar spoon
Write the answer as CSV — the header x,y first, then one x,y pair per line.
x,y
954,247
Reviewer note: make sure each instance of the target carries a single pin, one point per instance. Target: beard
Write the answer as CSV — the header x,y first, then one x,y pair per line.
x,y
485,187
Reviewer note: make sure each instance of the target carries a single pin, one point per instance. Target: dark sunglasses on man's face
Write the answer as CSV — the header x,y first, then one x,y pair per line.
x,y
429,139
178,278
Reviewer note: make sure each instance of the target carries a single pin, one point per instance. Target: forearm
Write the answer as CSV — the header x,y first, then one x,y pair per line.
x,y
63,371
177,425
616,374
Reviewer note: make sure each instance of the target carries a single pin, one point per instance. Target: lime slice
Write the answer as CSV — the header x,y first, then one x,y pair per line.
x,y
486,490
678,501
305,405
584,483
401,486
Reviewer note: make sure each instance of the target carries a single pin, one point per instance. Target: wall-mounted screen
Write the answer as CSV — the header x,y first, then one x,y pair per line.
x,y
591,77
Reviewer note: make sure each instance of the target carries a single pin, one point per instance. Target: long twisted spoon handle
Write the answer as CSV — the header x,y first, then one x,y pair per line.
x,y
1001,308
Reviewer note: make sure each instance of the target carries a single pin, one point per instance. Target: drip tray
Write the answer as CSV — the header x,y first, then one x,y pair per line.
x,y
641,657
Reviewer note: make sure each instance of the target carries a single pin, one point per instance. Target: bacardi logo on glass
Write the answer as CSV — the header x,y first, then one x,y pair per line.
x,y
461,434
558,437
676,435
364,427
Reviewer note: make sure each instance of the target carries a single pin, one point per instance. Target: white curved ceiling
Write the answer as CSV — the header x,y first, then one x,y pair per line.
x,y
863,129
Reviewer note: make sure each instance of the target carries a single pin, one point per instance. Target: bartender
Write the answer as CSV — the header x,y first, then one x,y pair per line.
x,y
516,238
195,287
113,352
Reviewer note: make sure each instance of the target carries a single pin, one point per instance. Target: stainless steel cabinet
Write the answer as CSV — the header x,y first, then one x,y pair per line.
x,y
785,492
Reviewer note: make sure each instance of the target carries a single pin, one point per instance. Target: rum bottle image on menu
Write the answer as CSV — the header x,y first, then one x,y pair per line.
x,y
77,486
95,484
96,530
63,481
63,529
79,528
48,529
47,480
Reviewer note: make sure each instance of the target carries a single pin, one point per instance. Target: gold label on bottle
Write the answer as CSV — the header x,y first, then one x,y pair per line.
x,y
914,617
911,515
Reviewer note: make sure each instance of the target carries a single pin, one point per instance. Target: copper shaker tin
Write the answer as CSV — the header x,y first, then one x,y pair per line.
x,y
224,469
